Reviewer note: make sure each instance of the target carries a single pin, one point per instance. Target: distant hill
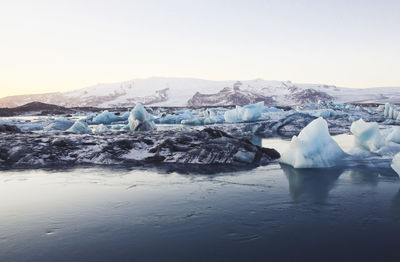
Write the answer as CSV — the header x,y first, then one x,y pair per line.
x,y
35,107
159,91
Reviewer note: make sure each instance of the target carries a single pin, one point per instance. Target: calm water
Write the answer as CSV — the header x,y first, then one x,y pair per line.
x,y
267,214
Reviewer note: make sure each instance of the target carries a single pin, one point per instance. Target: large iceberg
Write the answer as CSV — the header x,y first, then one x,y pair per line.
x,y
313,148
367,135
396,163
140,120
244,114
79,127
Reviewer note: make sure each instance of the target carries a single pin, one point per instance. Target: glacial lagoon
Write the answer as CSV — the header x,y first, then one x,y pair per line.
x,y
270,213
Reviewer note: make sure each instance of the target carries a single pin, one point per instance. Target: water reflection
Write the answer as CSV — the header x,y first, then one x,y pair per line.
x,y
311,184
370,176
396,206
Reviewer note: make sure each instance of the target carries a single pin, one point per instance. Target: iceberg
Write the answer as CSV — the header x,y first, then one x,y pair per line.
x,y
79,127
396,163
30,126
125,116
313,148
213,117
106,118
140,119
271,109
391,112
196,121
325,113
244,114
58,125
174,119
367,135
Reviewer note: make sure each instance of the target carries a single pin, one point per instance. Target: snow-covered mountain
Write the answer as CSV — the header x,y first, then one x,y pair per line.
x,y
159,91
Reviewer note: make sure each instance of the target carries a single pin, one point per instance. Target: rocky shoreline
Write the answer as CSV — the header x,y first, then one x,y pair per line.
x,y
188,147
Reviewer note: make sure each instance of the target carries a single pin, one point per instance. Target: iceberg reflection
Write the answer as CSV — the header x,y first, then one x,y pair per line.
x,y
312,184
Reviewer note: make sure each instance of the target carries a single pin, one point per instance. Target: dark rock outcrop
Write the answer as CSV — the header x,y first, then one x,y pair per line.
x,y
229,96
308,96
204,147
35,107
4,128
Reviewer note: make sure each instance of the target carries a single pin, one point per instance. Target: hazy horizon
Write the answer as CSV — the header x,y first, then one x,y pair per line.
x,y
58,46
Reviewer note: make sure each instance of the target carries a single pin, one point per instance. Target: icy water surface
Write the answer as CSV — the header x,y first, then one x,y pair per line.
x,y
271,213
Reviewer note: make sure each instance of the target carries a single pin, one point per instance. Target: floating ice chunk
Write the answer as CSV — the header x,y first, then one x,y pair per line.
x,y
116,127
244,114
325,113
213,117
380,108
79,127
106,118
89,118
182,112
244,156
391,111
99,129
59,125
196,121
313,148
174,119
126,115
353,118
393,135
140,120
271,109
367,135
30,126
396,163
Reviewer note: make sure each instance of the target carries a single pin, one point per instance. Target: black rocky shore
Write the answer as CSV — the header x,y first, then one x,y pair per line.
x,y
188,148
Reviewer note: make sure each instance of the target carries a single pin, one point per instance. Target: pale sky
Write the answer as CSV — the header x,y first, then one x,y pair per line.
x,y
49,46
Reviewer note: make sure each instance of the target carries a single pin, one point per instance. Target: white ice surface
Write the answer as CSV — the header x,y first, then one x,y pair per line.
x,y
313,148
367,135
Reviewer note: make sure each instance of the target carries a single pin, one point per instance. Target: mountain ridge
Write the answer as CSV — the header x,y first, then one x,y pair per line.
x,y
172,91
